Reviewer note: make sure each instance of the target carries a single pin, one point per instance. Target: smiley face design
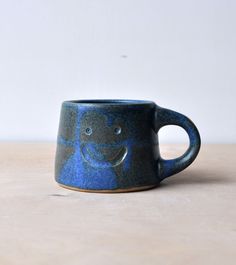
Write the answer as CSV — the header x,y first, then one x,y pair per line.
x,y
104,150
100,151
102,139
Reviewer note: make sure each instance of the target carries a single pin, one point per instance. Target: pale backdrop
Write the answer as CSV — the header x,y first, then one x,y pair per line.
x,y
180,54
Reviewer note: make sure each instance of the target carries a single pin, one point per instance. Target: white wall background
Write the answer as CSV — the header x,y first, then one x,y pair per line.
x,y
181,54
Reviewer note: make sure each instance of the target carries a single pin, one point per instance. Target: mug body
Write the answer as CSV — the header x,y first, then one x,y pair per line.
x,y
107,145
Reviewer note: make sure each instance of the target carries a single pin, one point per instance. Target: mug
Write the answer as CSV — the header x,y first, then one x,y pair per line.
x,y
112,145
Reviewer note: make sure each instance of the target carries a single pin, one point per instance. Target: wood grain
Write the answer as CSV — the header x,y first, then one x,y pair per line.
x,y
189,219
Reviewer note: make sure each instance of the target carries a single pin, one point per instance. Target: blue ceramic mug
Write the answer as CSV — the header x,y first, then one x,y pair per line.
x,y
112,145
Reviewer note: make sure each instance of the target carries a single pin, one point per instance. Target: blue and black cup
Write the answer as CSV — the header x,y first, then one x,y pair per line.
x,y
112,145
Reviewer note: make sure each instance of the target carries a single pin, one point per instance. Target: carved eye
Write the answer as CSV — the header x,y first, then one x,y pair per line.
x,y
88,131
117,130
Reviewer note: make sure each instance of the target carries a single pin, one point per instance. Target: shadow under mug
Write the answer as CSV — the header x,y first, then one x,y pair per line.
x,y
112,145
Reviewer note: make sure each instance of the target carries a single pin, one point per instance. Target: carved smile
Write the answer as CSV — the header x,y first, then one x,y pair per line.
x,y
103,156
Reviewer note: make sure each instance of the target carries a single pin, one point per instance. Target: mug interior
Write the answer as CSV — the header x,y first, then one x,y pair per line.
x,y
111,101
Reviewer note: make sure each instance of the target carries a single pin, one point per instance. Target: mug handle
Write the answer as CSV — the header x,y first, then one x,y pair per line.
x,y
170,167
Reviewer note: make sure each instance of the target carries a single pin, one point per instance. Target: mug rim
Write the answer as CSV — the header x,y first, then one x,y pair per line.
x,y
109,102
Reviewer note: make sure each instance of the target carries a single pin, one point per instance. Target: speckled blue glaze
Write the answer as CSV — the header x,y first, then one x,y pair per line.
x,y
113,144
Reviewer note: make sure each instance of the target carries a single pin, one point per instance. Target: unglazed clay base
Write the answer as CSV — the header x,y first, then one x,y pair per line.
x,y
110,191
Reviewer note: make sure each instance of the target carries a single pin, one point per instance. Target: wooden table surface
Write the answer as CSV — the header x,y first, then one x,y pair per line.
x,y
189,219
